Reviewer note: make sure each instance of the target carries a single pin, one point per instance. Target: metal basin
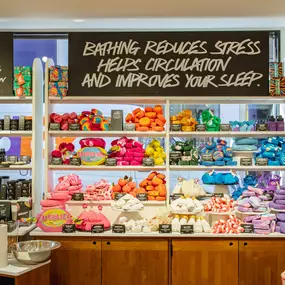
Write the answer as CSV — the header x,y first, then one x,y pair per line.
x,y
34,251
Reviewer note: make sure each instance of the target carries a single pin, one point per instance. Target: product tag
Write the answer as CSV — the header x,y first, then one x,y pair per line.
x,y
201,128
118,196
97,229
261,127
225,128
165,229
75,161
207,157
261,161
118,229
186,229
111,162
148,161
248,228
77,197
142,196
68,228
129,127
56,161
218,195
246,161
54,126
176,196
175,127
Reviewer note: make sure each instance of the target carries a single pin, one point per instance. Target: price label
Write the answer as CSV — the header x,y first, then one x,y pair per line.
x,y
186,229
218,195
68,228
225,128
97,229
111,162
246,161
118,229
142,196
201,128
118,196
261,161
176,196
148,161
175,127
248,228
77,197
165,229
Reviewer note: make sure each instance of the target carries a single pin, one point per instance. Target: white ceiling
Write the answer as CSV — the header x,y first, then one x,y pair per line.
x,y
187,14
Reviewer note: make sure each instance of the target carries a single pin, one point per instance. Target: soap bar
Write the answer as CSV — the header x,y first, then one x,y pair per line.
x,y
58,73
57,89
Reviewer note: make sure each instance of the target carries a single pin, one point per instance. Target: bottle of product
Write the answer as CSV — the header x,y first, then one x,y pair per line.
x,y
183,220
191,221
271,124
198,226
205,225
175,224
280,124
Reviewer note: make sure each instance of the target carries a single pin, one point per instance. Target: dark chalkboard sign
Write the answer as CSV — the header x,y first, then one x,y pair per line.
x,y
169,63
6,64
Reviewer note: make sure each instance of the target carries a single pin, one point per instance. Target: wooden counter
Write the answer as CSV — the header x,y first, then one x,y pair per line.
x,y
165,260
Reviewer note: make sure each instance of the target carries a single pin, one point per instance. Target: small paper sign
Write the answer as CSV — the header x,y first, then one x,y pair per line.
x,y
176,196
201,128
97,229
77,197
225,128
142,196
118,229
261,161
246,161
118,196
165,229
248,228
218,195
186,229
68,228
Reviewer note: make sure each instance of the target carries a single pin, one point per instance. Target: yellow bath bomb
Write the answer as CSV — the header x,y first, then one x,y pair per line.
x,y
159,149
156,154
149,151
158,161
163,155
155,144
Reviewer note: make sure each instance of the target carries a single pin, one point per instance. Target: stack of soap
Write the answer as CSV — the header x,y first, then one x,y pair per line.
x,y
262,224
245,126
127,151
280,223
278,202
218,154
186,120
58,81
23,81
253,200
245,144
212,122
183,153
273,150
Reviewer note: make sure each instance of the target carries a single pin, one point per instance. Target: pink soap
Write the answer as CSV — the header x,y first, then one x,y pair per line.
x,y
119,158
129,145
139,159
123,163
134,162
59,196
137,144
129,154
51,203
138,154
127,158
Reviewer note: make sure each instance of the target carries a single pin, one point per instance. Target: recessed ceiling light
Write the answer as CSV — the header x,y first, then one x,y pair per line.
x,y
78,20
44,59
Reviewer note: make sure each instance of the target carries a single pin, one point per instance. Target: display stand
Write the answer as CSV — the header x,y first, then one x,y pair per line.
x,y
36,167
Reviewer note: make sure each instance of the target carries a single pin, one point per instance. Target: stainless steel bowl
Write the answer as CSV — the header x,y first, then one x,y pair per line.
x,y
34,251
